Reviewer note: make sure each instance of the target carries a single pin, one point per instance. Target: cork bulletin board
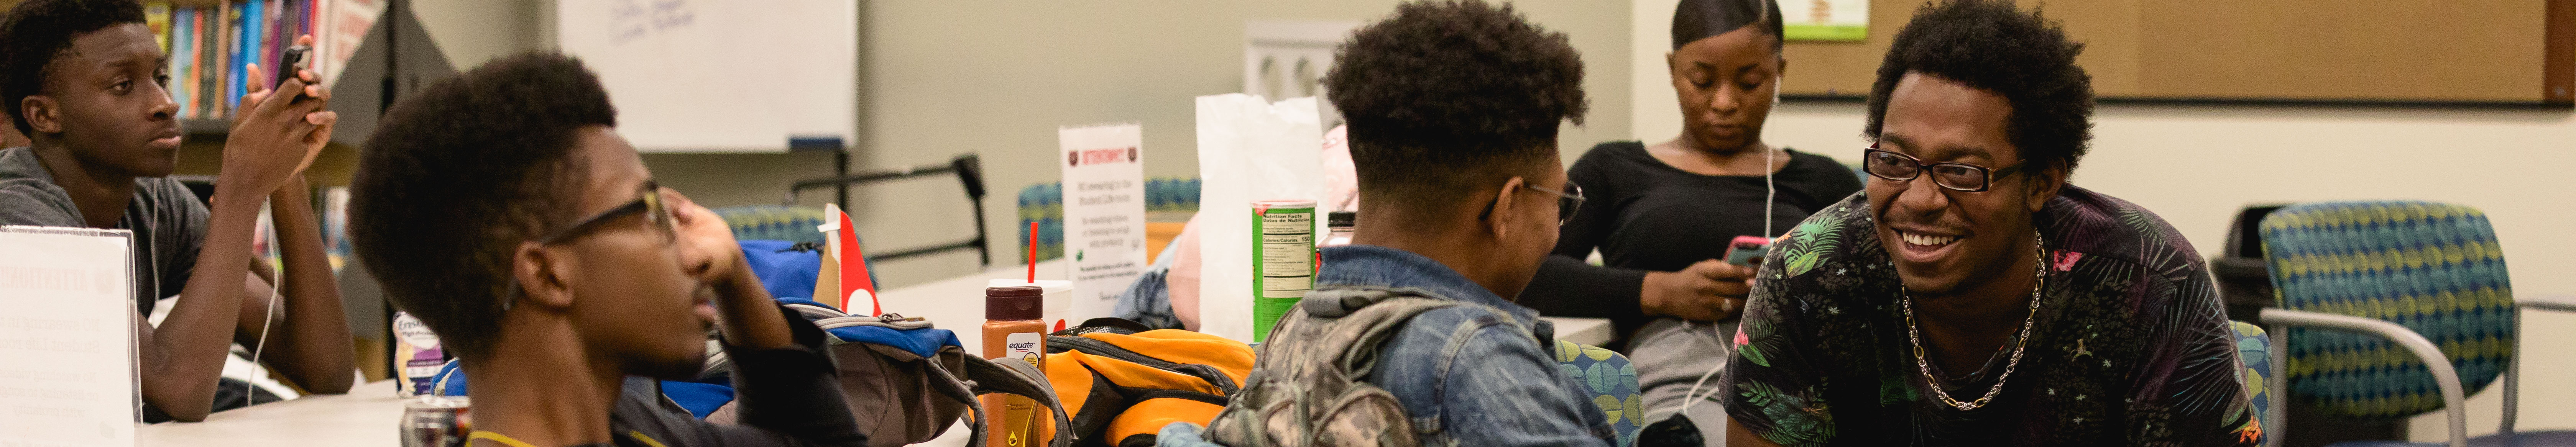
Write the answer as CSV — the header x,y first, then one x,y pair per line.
x,y
2481,52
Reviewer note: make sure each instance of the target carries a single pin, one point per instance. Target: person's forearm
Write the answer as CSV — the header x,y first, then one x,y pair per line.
x,y
1568,287
313,330
186,352
751,317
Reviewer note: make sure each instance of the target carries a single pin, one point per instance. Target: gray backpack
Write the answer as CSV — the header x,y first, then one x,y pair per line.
x,y
1305,389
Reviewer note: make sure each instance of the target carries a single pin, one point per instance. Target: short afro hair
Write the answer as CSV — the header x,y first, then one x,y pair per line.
x,y
1700,19
1992,46
461,172
37,31
1447,94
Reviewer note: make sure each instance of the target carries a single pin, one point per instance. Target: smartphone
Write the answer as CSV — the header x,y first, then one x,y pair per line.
x,y
1745,249
291,61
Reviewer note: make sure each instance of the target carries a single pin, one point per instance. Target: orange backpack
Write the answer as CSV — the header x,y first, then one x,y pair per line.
x,y
1123,388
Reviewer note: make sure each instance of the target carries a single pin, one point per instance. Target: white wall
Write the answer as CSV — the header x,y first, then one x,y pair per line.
x,y
2197,165
469,32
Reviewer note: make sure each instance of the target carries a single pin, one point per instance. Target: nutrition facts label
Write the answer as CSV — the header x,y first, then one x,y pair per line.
x,y
1287,254
1283,267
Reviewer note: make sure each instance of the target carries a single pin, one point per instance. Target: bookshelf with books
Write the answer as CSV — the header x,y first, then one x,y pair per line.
x,y
212,43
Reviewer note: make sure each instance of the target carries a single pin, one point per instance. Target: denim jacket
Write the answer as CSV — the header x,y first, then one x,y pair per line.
x,y
1468,375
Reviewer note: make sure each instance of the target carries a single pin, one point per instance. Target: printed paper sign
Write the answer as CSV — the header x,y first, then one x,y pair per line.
x,y
67,342
1826,20
1104,214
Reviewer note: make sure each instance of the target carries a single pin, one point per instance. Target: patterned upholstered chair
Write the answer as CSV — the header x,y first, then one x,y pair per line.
x,y
773,222
2392,309
2256,350
1611,380
1044,204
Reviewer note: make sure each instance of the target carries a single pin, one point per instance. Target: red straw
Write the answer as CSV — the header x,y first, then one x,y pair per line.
x,y
1033,252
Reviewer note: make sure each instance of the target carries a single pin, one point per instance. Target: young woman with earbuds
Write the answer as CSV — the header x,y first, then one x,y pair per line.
x,y
1662,214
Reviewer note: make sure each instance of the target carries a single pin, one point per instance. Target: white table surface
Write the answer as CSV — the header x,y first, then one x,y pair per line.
x,y
364,417
957,304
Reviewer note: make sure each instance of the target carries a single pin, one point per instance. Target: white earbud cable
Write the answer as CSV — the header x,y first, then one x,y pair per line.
x,y
277,276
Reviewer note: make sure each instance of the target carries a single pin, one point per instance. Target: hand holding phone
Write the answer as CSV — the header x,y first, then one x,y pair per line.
x,y
292,62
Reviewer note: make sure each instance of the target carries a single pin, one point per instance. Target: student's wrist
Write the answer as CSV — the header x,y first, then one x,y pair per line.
x,y
294,186
1649,302
236,196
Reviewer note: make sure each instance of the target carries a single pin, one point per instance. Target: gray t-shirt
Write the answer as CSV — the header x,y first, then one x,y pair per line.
x,y
168,222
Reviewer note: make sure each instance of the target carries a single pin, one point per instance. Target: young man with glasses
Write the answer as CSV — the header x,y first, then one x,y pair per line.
x,y
1970,296
501,208
1453,110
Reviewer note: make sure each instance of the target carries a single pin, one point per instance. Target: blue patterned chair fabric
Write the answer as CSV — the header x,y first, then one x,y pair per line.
x,y
1044,204
2434,268
1610,380
2255,350
773,222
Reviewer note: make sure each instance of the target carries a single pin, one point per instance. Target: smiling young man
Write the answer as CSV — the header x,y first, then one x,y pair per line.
x,y
84,80
1971,296
502,209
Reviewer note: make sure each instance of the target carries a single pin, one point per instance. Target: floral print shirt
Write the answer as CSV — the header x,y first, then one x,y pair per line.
x,y
2130,346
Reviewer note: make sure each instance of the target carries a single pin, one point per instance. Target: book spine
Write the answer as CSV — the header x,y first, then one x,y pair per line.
x,y
156,15
273,44
253,22
180,31
322,42
210,67
197,63
252,14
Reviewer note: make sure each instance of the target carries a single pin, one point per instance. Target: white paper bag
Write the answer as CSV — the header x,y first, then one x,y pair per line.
x,y
1249,149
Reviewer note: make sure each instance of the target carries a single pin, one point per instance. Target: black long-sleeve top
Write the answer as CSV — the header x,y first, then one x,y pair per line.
x,y
1644,215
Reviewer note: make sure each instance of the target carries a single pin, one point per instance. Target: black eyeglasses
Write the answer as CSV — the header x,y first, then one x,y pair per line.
x,y
1961,177
648,202
1567,202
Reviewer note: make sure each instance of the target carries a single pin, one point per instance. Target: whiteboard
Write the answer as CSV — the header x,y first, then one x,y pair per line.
x,y
721,76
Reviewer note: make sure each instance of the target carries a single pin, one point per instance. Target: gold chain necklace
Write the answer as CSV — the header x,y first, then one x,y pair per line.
x,y
2039,277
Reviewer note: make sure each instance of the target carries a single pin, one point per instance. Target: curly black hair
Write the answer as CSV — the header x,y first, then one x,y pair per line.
x,y
36,32
458,174
1992,46
1700,19
1447,95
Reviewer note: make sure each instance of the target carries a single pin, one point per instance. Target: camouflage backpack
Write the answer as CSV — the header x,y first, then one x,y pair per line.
x,y
1305,389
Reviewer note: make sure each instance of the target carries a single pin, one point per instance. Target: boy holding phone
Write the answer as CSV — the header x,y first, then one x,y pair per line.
x,y
85,81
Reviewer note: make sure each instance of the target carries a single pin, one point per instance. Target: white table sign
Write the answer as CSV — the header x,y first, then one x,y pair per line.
x,y
1104,214
67,374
